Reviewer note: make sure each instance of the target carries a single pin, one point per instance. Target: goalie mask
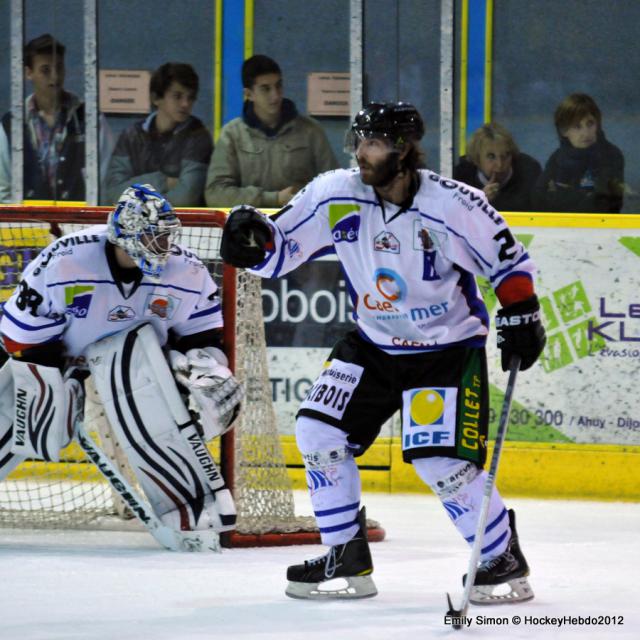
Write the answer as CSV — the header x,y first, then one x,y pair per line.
x,y
145,226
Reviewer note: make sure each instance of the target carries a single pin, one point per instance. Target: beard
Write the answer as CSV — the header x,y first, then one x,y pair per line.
x,y
382,174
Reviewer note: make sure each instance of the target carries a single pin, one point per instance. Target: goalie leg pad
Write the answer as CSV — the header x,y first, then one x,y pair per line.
x,y
156,432
460,486
332,478
8,461
46,408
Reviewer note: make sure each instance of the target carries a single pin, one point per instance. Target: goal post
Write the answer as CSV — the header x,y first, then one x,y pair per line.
x,y
72,494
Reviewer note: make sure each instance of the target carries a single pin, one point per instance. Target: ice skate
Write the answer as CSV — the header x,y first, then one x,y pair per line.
x,y
344,572
507,571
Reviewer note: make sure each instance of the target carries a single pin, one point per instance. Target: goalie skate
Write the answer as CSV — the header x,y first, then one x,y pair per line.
x,y
344,572
504,578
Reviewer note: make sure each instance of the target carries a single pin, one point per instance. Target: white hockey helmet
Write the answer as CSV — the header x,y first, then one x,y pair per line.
x,y
145,225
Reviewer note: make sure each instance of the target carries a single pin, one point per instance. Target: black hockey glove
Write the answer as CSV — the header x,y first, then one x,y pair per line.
x,y
245,237
520,332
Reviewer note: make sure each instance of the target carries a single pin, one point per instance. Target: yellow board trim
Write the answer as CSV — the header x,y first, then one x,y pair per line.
x,y
574,220
527,469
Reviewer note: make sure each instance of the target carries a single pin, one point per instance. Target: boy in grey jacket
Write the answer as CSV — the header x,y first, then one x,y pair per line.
x,y
264,157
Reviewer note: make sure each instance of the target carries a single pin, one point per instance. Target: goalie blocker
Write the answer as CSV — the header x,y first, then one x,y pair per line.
x,y
158,434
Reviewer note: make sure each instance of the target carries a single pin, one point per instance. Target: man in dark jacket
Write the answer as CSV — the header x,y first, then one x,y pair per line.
x,y
495,164
171,148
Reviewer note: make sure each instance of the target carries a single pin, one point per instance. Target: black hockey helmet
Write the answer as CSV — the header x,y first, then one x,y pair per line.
x,y
396,121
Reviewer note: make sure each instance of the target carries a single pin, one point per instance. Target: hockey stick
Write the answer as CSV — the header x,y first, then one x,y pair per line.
x,y
167,537
457,616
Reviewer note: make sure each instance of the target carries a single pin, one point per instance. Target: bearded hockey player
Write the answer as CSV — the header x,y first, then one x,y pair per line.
x,y
410,243
109,298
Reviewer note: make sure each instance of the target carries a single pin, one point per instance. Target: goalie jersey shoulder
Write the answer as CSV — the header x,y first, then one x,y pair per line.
x,y
68,292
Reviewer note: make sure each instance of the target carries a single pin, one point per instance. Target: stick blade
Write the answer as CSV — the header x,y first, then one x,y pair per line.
x,y
454,615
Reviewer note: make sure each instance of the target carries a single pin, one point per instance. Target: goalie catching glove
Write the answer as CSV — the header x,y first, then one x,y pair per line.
x,y
214,393
520,332
246,237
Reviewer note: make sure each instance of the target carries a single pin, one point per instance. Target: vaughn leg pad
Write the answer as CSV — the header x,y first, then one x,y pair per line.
x,y
45,409
156,432
8,460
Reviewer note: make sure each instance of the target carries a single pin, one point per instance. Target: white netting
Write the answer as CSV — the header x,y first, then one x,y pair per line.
x,y
72,494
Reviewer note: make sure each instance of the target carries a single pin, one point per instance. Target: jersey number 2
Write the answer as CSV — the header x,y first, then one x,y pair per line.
x,y
507,244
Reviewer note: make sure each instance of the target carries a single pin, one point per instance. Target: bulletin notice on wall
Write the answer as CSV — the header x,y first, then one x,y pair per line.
x,y
581,390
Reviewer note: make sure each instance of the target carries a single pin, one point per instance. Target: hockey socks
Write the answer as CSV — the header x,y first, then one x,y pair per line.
x,y
459,485
332,478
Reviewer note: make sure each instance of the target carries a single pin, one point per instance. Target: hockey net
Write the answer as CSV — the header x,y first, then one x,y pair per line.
x,y
71,493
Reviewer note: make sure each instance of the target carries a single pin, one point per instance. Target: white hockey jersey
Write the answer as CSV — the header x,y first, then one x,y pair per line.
x,y
68,292
410,273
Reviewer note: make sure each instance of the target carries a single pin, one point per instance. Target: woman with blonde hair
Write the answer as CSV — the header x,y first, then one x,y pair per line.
x,y
495,165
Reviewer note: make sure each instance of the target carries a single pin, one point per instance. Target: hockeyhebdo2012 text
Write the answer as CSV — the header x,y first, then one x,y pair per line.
x,y
535,621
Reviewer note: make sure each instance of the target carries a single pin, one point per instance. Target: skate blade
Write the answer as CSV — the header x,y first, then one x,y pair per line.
x,y
519,591
355,587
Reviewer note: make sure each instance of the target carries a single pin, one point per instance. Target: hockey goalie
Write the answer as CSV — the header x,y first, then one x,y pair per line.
x,y
127,304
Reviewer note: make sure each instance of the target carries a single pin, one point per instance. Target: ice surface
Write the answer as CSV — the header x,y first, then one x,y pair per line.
x,y
584,560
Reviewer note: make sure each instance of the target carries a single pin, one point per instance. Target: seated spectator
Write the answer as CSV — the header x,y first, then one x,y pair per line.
x,y
586,173
54,130
170,148
267,155
494,164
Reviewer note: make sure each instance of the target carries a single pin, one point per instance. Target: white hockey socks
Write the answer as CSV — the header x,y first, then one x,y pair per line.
x,y
332,478
459,485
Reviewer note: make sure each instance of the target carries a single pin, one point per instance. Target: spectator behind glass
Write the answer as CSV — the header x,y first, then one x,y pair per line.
x,y
170,148
494,164
54,128
267,155
586,173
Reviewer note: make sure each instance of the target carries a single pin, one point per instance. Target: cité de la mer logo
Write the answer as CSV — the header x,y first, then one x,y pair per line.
x,y
344,220
77,299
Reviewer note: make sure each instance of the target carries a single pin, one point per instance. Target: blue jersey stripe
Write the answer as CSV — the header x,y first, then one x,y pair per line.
x,y
491,525
448,228
469,290
330,512
495,543
28,327
205,312
525,256
338,527
142,284
323,202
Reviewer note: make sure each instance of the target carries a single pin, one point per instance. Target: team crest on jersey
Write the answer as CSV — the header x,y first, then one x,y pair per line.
x,y
77,299
163,307
121,313
387,242
345,222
